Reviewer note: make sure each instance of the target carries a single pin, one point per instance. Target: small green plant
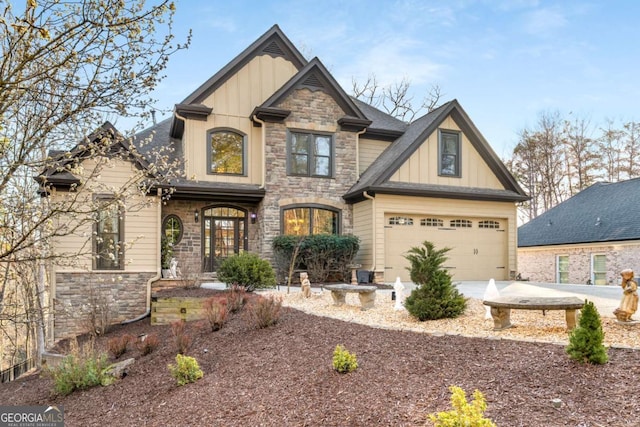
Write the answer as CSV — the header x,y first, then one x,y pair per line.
x,y
343,361
586,341
181,339
79,371
118,345
463,414
236,297
186,370
265,311
247,270
435,297
147,344
215,310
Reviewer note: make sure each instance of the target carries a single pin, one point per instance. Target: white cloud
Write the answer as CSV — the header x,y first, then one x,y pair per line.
x,y
544,22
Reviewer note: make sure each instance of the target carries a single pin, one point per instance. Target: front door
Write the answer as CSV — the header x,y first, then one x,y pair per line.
x,y
223,235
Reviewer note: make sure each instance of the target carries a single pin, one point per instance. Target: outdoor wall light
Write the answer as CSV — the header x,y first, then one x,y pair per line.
x,y
253,217
196,215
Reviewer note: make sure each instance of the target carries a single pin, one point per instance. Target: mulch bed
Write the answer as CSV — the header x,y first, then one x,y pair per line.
x,y
282,376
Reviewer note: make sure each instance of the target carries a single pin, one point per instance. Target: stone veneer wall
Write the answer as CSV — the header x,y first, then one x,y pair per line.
x,y
189,251
314,112
125,294
540,265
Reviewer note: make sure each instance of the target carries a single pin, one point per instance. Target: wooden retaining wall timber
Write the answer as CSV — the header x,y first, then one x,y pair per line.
x,y
165,311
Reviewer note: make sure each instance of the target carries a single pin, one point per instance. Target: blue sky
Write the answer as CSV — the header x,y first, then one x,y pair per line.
x,y
505,61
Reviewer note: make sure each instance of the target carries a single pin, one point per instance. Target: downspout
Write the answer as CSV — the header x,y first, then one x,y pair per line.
x,y
263,132
158,274
373,221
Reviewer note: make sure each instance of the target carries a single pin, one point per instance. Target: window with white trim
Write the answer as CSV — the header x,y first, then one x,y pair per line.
x,y
562,268
599,269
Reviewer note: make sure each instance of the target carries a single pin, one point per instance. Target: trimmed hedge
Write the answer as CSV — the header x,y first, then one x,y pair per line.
x,y
323,256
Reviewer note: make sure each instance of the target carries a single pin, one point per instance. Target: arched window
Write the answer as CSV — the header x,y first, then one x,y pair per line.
x,y
307,220
226,152
172,229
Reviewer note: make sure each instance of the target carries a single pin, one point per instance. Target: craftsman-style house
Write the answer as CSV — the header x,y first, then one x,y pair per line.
x,y
272,144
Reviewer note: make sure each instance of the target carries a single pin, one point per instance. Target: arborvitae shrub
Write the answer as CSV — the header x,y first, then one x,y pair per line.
x,y
435,297
463,412
186,370
247,270
343,361
586,340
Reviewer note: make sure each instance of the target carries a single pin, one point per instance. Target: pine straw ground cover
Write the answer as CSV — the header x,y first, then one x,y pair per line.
x,y
282,375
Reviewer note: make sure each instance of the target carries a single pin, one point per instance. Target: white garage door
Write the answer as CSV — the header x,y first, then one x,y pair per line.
x,y
478,245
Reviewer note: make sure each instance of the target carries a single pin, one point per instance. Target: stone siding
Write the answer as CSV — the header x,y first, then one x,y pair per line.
x,y
540,265
79,295
312,112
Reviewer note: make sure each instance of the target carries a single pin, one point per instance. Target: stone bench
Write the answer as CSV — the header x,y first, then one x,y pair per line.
x,y
367,294
501,308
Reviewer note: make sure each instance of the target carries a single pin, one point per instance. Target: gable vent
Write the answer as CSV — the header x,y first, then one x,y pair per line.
x,y
273,48
313,81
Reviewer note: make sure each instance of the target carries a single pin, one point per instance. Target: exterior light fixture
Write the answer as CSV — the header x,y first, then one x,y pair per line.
x,y
196,215
253,217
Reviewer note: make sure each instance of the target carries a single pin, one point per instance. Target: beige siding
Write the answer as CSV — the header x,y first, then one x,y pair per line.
x,y
387,204
363,226
422,166
368,151
142,229
232,104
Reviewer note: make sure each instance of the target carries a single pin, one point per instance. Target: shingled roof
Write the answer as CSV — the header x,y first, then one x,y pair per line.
x,y
376,178
604,212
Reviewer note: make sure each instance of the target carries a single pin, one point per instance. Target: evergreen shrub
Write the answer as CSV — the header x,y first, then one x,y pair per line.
x,y
343,360
586,340
435,296
247,270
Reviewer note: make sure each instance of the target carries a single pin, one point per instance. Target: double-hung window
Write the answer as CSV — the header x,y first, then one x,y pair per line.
x,y
599,269
108,236
310,154
449,153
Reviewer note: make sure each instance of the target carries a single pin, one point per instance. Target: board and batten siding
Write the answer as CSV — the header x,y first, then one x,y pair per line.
x,y
387,204
422,165
368,151
363,226
232,103
142,228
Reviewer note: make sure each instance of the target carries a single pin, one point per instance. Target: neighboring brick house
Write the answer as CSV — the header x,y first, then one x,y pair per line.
x,y
588,238
271,144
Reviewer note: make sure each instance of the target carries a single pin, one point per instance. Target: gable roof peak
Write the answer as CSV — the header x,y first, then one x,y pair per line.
x,y
315,76
273,42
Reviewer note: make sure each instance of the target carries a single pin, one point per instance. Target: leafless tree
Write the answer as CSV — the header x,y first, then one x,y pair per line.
x,y
610,148
396,99
631,138
581,157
